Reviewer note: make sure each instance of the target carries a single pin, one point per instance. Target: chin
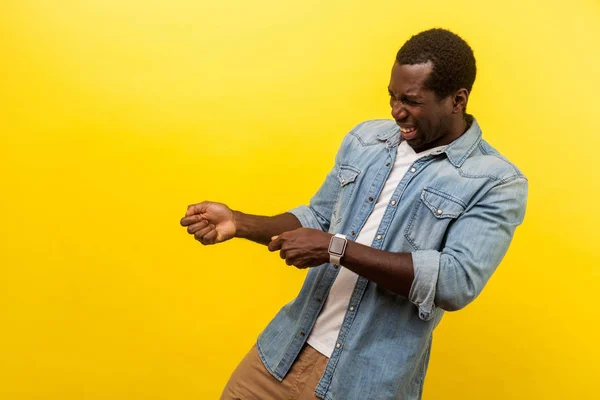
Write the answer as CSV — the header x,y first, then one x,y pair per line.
x,y
415,143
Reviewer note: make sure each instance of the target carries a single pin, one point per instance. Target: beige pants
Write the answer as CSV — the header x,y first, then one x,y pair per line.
x,y
252,381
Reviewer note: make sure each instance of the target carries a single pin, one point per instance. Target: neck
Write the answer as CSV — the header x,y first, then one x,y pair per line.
x,y
459,127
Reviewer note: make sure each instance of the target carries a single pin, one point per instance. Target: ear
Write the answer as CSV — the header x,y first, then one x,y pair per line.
x,y
461,97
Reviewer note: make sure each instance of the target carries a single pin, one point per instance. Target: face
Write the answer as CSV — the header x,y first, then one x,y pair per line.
x,y
425,121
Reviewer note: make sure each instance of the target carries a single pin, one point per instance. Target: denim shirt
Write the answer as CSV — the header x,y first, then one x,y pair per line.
x,y
455,211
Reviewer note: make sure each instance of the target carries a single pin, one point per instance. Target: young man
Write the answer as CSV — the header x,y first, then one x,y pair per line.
x,y
412,221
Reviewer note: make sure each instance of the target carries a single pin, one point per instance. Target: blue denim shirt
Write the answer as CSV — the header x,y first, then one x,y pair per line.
x,y
455,211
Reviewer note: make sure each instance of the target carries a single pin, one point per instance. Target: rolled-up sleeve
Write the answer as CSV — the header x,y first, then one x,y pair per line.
x,y
426,266
474,247
309,218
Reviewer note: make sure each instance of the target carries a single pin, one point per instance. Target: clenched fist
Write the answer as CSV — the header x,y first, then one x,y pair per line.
x,y
210,222
303,247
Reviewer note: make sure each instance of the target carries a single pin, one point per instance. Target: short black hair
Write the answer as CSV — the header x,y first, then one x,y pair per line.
x,y
453,60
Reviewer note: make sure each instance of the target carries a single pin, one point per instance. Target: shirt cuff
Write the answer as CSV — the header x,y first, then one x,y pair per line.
x,y
306,217
426,264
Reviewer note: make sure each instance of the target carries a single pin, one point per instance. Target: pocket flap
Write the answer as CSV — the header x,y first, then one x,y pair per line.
x,y
347,174
442,205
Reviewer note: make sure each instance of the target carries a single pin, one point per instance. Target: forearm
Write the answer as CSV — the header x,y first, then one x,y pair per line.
x,y
261,229
393,271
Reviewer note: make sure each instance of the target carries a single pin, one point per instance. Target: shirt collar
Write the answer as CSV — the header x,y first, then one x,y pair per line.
x,y
392,137
457,151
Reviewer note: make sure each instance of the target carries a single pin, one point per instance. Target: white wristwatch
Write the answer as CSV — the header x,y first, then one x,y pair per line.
x,y
337,248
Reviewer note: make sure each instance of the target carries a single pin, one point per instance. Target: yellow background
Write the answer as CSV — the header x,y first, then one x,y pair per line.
x,y
115,115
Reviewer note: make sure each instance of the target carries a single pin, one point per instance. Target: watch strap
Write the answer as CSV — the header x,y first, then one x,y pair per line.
x,y
334,259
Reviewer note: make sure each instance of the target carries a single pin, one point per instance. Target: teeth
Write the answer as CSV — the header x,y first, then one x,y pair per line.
x,y
407,130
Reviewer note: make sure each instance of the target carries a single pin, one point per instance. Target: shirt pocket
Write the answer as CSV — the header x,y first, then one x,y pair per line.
x,y
347,177
431,218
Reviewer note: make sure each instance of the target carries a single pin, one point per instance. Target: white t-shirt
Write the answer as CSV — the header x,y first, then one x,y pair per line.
x,y
324,334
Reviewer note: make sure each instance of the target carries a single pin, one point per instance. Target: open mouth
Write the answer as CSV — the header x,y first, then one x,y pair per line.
x,y
408,133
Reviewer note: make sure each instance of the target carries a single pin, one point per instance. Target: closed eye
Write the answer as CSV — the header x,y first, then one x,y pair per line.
x,y
404,99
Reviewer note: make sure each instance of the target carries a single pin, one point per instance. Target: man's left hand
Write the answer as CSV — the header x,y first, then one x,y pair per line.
x,y
303,247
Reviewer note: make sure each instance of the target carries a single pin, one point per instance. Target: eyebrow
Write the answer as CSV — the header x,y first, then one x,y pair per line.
x,y
407,95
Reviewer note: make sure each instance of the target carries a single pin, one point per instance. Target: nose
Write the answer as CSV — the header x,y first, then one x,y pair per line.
x,y
398,110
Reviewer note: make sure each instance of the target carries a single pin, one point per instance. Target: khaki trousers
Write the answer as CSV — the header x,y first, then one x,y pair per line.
x,y
252,381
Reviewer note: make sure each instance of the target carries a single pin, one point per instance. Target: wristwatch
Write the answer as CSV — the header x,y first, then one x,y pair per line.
x,y
337,248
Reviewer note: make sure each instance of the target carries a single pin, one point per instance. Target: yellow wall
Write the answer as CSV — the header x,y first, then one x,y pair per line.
x,y
115,115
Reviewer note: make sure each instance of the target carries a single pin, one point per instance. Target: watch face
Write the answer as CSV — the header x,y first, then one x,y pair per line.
x,y
337,246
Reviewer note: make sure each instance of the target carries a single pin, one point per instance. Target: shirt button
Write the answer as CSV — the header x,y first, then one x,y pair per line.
x,y
387,164
413,170
318,300
370,199
353,233
439,211
335,266
338,345
393,202
379,237
351,308
302,334
342,181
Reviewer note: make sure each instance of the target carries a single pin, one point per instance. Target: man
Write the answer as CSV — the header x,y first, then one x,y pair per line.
x,y
412,221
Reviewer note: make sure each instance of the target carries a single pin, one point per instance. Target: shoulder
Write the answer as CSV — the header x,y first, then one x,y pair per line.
x,y
372,131
487,162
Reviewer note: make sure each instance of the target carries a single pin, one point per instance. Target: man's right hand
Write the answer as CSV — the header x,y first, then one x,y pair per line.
x,y
210,222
